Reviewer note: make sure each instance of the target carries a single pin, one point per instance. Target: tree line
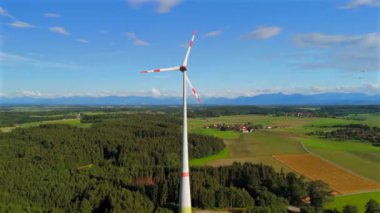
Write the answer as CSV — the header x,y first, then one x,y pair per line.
x,y
360,132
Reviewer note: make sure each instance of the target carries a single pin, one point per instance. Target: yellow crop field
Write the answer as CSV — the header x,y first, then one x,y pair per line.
x,y
339,179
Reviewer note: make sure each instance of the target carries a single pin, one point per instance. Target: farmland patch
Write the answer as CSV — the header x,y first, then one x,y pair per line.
x,y
316,168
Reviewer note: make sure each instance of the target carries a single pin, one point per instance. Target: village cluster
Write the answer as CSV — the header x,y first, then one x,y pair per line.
x,y
243,128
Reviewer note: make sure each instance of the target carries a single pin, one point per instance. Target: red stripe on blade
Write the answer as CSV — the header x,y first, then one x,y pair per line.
x,y
193,90
191,44
144,72
157,70
185,174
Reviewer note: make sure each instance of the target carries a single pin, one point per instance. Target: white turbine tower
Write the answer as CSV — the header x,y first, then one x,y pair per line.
x,y
185,197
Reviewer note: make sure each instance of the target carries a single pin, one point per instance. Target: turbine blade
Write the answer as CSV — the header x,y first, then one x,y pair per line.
x,y
161,70
193,90
188,50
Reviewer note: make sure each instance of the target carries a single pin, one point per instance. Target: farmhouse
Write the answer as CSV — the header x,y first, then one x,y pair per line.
x,y
293,209
300,114
306,200
243,128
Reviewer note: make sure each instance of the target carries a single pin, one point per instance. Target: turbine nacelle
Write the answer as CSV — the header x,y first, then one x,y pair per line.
x,y
183,68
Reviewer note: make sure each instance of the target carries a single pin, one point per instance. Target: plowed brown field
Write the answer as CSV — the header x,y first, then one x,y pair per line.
x,y
339,179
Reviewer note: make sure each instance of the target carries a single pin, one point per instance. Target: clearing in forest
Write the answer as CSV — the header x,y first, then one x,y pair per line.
x,y
339,179
258,147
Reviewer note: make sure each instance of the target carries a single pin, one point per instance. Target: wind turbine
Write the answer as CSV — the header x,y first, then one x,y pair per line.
x,y
185,197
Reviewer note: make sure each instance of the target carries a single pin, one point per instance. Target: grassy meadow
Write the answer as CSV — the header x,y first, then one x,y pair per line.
x,y
358,200
75,122
203,161
216,133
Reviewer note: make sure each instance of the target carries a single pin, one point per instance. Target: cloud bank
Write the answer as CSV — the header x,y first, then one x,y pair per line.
x,y
264,32
369,89
359,3
15,23
161,6
52,15
136,40
213,34
340,52
59,30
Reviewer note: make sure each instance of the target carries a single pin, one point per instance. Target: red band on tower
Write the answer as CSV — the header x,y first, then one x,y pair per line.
x,y
185,174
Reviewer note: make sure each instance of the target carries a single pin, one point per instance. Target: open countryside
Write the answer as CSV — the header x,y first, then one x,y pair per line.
x,y
292,139
189,106
338,164
283,142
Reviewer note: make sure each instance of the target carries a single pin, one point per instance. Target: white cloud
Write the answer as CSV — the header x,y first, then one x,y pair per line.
x,y
156,92
136,41
356,61
369,89
13,59
358,3
137,3
4,12
20,24
139,42
263,32
27,93
340,52
162,6
143,93
52,15
319,40
82,40
16,23
213,33
59,30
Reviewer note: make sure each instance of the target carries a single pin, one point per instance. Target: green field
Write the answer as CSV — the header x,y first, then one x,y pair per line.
x,y
204,161
257,147
74,122
216,133
358,200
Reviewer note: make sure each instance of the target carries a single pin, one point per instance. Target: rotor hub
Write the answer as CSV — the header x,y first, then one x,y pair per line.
x,y
183,68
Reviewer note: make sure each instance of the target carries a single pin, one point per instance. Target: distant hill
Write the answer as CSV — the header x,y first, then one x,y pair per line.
x,y
264,99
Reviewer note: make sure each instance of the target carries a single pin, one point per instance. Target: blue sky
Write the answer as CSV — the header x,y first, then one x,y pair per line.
x,y
97,48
